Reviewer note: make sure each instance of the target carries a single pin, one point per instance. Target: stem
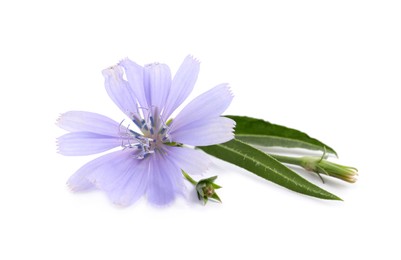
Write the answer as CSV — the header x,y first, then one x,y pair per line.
x,y
189,178
286,159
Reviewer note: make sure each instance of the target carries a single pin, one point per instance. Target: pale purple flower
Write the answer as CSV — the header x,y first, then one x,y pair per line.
x,y
152,155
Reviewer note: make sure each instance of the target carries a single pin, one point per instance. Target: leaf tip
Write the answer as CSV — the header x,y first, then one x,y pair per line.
x,y
334,197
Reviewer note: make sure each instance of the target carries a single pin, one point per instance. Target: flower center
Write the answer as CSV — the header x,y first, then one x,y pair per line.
x,y
154,133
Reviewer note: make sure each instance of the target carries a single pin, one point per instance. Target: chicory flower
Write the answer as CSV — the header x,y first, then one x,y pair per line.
x,y
152,156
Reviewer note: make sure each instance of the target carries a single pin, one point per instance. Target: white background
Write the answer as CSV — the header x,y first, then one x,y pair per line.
x,y
329,68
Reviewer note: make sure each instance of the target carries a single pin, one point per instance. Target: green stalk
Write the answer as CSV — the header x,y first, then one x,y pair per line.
x,y
189,178
290,160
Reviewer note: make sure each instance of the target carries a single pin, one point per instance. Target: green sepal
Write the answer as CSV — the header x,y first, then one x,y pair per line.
x,y
215,197
215,186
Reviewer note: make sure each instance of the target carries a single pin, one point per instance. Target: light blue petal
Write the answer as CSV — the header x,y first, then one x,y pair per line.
x,y
112,168
119,174
190,160
157,82
135,77
119,90
85,143
205,132
210,104
81,121
199,123
164,180
123,178
182,85
131,185
79,181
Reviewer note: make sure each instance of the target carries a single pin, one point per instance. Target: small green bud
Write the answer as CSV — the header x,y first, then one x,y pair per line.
x,y
206,189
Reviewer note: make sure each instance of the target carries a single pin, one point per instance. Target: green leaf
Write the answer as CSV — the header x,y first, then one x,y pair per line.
x,y
259,132
265,166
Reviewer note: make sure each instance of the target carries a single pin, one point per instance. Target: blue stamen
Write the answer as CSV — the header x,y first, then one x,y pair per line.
x,y
136,122
136,135
153,132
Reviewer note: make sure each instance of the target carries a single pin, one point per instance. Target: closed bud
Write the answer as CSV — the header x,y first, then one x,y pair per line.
x,y
321,165
206,189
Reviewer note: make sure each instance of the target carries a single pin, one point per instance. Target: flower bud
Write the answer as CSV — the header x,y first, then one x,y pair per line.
x,y
206,189
321,165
